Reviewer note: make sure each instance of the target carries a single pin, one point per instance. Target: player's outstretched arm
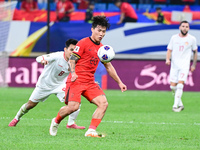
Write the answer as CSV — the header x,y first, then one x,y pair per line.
x,y
195,56
42,59
112,72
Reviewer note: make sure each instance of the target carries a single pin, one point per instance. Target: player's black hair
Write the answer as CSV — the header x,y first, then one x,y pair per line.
x,y
70,41
101,21
184,21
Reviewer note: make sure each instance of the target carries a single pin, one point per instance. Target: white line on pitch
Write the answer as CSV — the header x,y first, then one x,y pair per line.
x,y
118,122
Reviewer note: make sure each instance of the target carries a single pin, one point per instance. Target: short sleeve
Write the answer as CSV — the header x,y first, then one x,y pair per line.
x,y
79,49
194,44
49,57
170,45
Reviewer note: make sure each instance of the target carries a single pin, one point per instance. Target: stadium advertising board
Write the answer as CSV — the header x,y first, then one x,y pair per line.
x,y
149,75
136,74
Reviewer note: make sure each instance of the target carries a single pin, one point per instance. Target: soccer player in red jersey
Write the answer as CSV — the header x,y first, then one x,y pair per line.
x,y
83,64
128,13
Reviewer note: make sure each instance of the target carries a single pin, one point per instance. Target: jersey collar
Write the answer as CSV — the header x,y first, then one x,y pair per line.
x,y
94,42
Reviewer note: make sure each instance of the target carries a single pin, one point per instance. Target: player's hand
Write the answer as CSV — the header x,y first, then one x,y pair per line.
x,y
44,62
122,87
119,22
192,68
167,62
74,77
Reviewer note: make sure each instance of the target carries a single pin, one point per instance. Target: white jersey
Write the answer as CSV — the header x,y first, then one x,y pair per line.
x,y
55,72
182,48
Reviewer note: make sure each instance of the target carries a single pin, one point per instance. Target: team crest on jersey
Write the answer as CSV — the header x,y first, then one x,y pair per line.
x,y
76,49
186,43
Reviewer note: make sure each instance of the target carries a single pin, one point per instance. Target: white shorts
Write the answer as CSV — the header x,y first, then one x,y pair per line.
x,y
178,75
40,94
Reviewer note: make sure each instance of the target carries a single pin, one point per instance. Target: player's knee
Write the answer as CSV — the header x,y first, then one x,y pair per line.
x,y
173,88
179,86
104,105
73,107
30,105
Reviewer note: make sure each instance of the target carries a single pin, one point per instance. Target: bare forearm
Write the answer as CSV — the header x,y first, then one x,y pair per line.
x,y
112,72
72,63
195,58
168,56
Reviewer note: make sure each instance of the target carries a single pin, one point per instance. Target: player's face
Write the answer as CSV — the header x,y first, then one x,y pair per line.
x,y
184,28
69,50
98,33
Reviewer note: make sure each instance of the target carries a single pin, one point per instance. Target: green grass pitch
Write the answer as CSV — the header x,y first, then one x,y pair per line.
x,y
135,120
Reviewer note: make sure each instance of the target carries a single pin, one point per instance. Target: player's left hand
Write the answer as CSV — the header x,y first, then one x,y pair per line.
x,y
44,62
74,77
122,87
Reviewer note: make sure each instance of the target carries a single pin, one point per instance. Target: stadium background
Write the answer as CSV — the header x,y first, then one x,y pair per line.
x,y
140,47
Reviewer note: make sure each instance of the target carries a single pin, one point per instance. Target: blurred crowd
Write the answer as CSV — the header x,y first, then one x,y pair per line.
x,y
64,8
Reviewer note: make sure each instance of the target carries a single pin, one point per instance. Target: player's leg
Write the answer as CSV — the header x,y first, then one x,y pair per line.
x,y
63,112
36,96
74,115
102,104
178,95
95,95
71,120
72,100
173,86
181,80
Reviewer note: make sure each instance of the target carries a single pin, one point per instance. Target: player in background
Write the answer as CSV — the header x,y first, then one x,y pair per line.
x,y
51,81
179,50
83,64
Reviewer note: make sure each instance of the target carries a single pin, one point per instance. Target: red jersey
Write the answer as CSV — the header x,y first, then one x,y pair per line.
x,y
29,6
128,10
63,7
86,50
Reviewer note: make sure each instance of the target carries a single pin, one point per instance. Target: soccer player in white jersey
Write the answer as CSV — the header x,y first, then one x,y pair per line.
x,y
51,81
180,49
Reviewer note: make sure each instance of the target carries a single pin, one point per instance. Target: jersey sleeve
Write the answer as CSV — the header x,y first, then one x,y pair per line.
x,y
79,49
170,45
49,57
123,7
194,44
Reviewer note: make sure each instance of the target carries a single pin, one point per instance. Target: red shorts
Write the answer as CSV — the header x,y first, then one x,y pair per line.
x,y
74,90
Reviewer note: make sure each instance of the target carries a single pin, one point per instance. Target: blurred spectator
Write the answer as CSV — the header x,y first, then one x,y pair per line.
x,y
63,10
89,12
188,2
82,4
160,16
29,5
127,12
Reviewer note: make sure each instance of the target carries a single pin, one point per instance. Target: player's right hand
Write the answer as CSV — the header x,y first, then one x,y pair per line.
x,y
74,77
167,62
